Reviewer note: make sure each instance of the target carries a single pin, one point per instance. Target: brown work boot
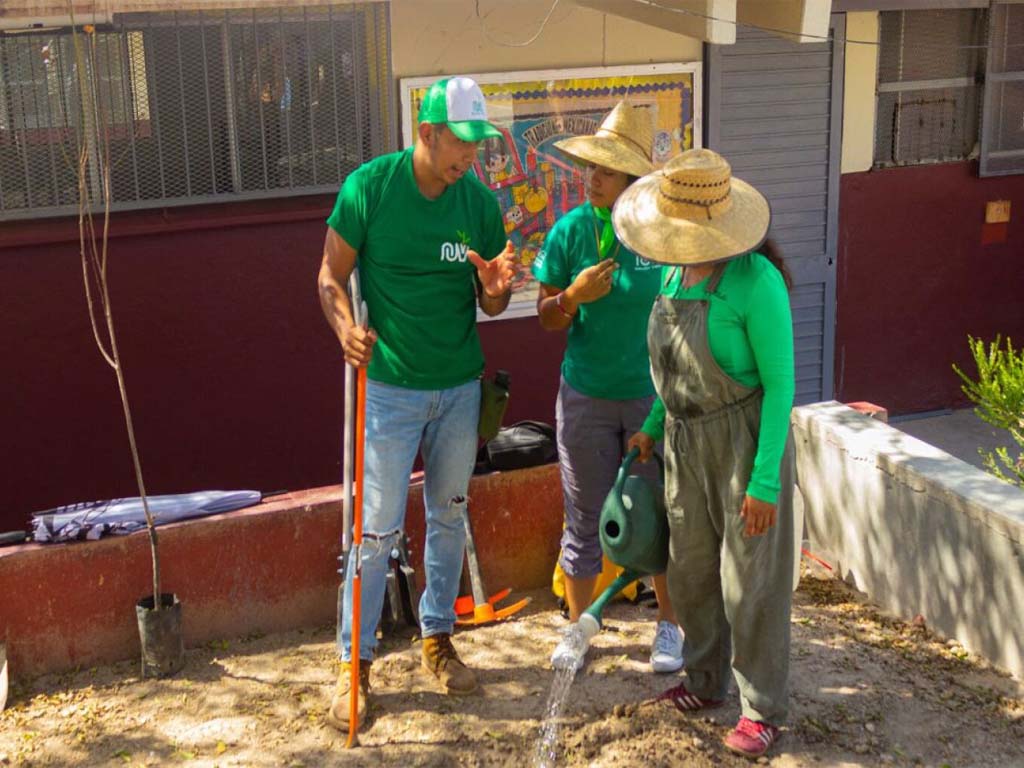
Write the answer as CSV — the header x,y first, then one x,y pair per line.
x,y
441,660
338,714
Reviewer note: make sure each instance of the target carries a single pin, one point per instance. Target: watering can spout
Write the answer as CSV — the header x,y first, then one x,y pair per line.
x,y
570,651
596,608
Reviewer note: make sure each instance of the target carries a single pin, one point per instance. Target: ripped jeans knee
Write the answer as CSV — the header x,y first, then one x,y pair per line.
x,y
378,546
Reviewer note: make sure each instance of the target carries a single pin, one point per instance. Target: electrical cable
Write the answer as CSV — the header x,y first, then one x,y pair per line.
x,y
540,30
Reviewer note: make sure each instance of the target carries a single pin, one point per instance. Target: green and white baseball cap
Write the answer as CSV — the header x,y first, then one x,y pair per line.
x,y
459,103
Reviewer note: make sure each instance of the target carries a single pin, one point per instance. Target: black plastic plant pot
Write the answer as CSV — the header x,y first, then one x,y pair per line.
x,y
163,647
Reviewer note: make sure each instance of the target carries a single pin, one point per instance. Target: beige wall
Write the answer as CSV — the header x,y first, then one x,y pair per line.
x,y
434,37
859,92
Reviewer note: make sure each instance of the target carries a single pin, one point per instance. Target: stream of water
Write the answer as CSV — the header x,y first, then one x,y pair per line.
x,y
566,661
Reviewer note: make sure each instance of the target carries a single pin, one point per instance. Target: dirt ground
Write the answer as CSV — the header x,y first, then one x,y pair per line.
x,y
866,690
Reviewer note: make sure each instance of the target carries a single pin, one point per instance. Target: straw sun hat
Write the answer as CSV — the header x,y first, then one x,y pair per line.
x,y
624,141
692,211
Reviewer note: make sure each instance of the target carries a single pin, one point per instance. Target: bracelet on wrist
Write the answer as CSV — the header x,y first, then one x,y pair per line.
x,y
561,308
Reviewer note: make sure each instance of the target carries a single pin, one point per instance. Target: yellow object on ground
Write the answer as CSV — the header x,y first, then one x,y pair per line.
x,y
609,571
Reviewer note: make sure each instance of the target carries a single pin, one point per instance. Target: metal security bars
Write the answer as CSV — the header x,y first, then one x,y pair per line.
x,y
1002,145
930,73
196,107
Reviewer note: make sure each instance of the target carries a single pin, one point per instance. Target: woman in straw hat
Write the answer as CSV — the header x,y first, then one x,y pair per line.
x,y
602,293
720,339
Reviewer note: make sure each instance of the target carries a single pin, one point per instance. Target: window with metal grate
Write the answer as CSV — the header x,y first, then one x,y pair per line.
x,y
1002,143
196,107
930,84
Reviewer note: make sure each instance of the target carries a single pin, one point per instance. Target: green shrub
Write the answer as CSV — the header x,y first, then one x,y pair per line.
x,y
998,394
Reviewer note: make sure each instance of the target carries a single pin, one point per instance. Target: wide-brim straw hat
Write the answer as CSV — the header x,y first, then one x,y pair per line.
x,y
624,142
692,211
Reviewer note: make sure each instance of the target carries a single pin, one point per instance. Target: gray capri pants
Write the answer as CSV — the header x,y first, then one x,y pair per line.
x,y
592,435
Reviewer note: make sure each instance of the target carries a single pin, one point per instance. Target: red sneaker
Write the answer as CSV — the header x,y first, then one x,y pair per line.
x,y
685,701
751,738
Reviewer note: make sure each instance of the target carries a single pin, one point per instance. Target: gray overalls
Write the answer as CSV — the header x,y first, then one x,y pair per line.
x,y
731,594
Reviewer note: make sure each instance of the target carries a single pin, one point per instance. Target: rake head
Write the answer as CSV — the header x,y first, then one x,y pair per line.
x,y
468,612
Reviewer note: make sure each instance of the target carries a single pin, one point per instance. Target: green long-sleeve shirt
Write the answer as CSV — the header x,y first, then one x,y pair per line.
x,y
750,333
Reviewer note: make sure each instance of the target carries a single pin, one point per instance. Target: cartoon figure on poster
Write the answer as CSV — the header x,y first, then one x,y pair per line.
x,y
535,193
498,163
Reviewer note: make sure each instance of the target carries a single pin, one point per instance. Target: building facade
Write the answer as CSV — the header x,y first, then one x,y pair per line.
x,y
233,124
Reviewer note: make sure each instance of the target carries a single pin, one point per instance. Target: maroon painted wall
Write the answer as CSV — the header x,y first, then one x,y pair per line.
x,y
234,378
914,279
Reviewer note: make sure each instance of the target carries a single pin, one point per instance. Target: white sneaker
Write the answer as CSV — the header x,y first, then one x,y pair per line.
x,y
667,648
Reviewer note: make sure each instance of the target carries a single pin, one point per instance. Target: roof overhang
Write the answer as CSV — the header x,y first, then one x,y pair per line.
x,y
905,5
714,21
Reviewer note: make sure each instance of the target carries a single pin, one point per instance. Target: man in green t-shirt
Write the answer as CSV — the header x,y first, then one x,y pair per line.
x,y
429,242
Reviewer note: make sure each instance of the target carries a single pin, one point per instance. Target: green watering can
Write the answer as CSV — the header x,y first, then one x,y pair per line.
x,y
633,527
634,534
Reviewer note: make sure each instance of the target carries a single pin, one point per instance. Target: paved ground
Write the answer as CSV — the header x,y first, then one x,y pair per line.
x,y
959,433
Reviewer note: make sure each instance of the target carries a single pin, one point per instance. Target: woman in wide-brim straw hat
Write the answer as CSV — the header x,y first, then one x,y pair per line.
x,y
602,293
720,339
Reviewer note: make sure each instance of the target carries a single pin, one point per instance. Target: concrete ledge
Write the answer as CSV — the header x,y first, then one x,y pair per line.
x,y
917,529
268,568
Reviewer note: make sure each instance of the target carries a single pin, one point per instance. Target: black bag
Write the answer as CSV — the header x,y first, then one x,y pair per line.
x,y
524,444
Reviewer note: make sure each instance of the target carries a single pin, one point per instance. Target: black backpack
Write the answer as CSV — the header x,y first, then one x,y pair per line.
x,y
524,444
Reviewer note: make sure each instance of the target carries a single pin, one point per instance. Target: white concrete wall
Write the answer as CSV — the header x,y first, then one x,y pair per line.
x,y
918,530
436,37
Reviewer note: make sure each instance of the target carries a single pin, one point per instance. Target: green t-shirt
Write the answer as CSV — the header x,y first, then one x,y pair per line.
x,y
418,284
750,333
606,350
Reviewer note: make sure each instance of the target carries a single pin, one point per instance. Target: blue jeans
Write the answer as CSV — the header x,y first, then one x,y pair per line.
x,y
399,422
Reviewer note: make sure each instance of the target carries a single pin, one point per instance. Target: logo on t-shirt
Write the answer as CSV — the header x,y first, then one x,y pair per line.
x,y
458,251
642,264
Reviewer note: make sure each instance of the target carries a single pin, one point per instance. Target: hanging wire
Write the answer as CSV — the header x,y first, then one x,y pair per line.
x,y
540,30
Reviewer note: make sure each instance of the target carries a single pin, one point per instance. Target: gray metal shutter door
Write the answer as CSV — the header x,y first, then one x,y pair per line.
x,y
775,112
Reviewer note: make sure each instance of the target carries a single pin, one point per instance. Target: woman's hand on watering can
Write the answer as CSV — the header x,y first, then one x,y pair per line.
x,y
593,282
643,443
759,515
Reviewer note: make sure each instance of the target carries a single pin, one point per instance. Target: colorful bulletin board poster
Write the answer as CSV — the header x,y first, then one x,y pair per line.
x,y
534,182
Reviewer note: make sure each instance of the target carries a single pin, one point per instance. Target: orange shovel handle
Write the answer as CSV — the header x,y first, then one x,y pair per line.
x,y
357,545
